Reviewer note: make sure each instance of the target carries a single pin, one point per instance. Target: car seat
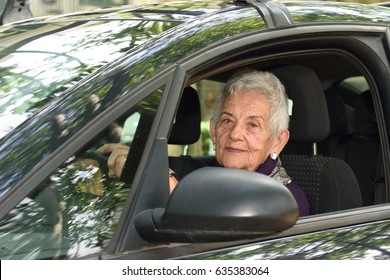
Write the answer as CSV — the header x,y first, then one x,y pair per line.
x,y
186,131
335,145
363,146
329,183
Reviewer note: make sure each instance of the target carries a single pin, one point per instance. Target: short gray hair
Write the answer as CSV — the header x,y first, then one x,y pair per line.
x,y
264,83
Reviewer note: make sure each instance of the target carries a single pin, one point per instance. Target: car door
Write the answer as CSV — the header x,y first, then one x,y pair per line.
x,y
68,206
335,53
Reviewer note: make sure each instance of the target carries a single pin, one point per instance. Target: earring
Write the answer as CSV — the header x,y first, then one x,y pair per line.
x,y
214,146
274,156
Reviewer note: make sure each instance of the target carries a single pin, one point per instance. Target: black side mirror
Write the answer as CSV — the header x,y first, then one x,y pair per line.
x,y
220,204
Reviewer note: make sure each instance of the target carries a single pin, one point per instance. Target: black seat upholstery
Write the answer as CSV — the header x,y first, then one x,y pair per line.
x,y
186,131
328,182
186,128
363,146
335,145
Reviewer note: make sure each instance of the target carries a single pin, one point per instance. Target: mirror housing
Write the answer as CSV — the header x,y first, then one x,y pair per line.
x,y
220,204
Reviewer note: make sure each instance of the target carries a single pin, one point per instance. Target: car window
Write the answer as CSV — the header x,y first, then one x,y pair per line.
x,y
75,211
35,69
353,137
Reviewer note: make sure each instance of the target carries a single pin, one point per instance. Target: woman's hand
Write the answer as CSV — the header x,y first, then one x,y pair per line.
x,y
172,183
117,159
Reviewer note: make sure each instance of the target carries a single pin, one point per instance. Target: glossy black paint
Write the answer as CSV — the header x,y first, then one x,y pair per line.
x,y
147,46
353,243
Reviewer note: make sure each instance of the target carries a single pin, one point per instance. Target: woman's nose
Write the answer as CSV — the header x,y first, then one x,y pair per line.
x,y
236,132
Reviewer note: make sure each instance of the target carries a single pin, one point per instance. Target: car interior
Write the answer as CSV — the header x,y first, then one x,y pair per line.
x,y
334,147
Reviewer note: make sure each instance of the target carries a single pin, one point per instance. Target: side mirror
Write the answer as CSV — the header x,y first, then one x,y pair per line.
x,y
220,204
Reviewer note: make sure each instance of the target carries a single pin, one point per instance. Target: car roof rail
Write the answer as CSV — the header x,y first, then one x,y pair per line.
x,y
274,13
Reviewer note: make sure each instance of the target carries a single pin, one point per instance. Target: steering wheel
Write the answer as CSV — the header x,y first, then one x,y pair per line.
x,y
102,159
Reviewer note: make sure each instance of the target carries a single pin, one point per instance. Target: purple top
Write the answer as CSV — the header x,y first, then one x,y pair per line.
x,y
267,167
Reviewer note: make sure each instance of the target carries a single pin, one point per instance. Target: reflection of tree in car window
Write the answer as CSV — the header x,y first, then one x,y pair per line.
x,y
77,209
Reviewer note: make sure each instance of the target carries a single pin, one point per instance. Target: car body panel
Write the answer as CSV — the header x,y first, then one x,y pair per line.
x,y
157,48
321,12
370,241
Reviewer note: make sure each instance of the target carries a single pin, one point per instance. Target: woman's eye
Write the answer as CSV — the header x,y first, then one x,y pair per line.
x,y
227,121
253,125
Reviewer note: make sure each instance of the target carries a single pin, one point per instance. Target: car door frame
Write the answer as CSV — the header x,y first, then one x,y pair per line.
x,y
210,56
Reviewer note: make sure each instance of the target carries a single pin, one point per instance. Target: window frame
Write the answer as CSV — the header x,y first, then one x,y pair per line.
x,y
214,58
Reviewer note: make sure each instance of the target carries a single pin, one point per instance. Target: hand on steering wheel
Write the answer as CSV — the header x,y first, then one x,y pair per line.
x,y
117,159
101,159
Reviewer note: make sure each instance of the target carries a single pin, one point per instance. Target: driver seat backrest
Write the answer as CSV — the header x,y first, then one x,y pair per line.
x,y
186,131
329,183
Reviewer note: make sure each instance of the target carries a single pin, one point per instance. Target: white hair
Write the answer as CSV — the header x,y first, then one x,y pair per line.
x,y
264,83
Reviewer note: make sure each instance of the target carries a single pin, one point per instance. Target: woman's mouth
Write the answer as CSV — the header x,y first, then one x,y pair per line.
x,y
234,150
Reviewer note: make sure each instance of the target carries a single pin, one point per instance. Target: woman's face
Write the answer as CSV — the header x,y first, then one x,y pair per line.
x,y
242,135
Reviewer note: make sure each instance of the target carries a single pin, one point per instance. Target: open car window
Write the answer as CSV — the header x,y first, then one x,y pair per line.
x,y
350,135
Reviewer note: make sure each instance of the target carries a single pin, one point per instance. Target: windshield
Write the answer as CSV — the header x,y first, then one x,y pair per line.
x,y
39,62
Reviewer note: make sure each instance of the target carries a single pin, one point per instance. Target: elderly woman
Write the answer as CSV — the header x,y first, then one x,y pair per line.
x,y
250,128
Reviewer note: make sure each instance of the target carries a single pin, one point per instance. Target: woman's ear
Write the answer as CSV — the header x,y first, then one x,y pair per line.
x,y
280,141
212,130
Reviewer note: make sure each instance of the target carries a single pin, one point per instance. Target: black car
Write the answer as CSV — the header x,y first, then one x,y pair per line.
x,y
147,77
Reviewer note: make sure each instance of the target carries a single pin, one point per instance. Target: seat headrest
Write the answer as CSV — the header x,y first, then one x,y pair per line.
x,y
364,121
309,121
186,129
